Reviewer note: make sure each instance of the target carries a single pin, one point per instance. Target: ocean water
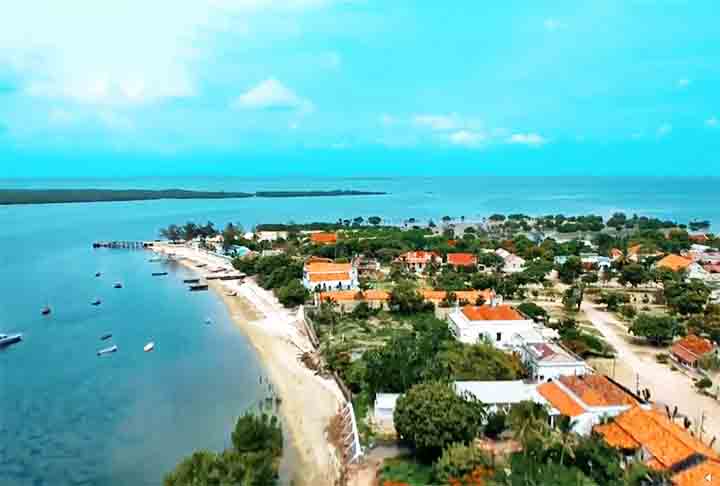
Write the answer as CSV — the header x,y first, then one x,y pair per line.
x,y
68,417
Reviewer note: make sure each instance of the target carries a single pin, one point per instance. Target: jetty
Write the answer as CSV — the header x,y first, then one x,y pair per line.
x,y
126,245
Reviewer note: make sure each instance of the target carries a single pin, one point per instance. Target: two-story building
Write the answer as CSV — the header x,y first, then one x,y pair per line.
x,y
321,275
418,261
496,324
546,361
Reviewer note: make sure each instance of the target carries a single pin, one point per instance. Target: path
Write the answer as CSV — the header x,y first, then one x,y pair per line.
x,y
667,387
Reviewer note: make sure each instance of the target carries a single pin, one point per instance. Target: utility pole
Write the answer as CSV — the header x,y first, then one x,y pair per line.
x,y
637,383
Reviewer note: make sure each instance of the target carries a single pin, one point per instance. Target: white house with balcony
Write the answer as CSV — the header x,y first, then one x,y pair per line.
x,y
546,360
324,275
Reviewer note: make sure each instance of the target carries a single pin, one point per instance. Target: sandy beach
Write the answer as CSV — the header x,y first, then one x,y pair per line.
x,y
308,401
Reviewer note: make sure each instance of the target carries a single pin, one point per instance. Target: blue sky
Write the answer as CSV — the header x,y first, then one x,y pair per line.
x,y
356,87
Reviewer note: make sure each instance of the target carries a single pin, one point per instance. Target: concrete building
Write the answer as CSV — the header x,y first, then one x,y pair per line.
x,y
546,361
497,324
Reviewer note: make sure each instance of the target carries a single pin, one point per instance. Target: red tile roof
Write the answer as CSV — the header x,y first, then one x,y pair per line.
x,y
597,391
468,295
702,238
692,347
419,256
352,295
323,238
707,473
712,267
491,313
327,267
329,277
461,259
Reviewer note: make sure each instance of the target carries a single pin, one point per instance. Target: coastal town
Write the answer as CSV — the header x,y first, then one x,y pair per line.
x,y
507,350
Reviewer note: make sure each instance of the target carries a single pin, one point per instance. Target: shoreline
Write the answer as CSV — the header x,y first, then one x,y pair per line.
x,y
308,401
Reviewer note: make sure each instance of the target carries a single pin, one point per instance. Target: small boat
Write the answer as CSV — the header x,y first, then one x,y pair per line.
x,y
117,285
8,339
159,274
97,274
149,346
45,310
232,293
198,287
155,260
208,321
105,337
109,350
96,302
201,265
191,280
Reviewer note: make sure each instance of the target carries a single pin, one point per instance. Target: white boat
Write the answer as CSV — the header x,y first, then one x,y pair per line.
x,y
109,350
149,346
8,339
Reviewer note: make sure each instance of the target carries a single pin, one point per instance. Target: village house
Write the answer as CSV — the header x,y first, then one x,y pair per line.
x,y
689,350
321,274
676,263
461,260
271,235
546,361
323,238
418,261
651,437
500,325
366,266
462,297
512,263
587,399
349,299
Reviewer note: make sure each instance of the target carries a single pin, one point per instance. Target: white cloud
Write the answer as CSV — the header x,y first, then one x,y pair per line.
x,y
664,129
125,52
712,122
466,138
271,94
532,139
683,83
440,123
553,24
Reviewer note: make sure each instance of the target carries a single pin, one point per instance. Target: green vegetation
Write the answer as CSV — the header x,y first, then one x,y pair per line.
x,y
252,460
278,272
658,330
57,196
431,416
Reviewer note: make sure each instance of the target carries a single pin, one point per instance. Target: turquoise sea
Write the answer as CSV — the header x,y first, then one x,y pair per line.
x,y
68,417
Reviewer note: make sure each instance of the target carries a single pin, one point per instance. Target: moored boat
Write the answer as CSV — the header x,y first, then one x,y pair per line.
x,y
149,346
96,302
109,350
118,285
105,337
159,274
8,339
45,310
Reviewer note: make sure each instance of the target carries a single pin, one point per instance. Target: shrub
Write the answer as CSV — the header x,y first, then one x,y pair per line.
x,y
662,358
496,425
457,461
703,383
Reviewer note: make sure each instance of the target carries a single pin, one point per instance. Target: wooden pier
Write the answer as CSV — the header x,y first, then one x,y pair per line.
x,y
126,245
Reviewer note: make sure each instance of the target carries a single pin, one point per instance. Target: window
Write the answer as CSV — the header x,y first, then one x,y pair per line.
x,y
498,336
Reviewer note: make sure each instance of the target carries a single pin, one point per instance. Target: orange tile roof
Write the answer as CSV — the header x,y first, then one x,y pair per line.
x,y
707,473
695,344
468,295
701,238
675,262
352,295
329,277
560,400
616,437
314,259
597,391
634,250
326,267
323,238
461,259
666,442
616,253
491,313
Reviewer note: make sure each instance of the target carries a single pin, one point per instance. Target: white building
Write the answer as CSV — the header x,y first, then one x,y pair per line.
x,y
547,361
513,263
500,395
271,235
497,324
323,275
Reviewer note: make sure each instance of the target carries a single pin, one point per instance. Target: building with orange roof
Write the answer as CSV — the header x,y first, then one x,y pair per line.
x,y
323,238
462,260
616,254
690,349
587,399
466,296
501,325
418,261
323,275
650,436
675,263
349,299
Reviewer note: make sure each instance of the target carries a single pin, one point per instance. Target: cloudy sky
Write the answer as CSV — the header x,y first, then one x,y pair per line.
x,y
355,87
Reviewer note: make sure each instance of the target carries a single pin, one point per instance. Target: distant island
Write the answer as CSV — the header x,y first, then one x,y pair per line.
x,y
58,196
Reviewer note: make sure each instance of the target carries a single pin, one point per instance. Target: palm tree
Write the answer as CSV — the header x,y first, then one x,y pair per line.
x,y
528,421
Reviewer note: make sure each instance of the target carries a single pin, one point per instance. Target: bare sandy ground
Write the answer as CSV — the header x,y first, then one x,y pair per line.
x,y
308,401
636,364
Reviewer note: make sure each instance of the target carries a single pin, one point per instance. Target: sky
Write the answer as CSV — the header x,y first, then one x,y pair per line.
x,y
359,87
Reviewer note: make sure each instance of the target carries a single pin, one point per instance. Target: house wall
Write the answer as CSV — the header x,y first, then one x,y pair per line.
x,y
470,332
545,372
